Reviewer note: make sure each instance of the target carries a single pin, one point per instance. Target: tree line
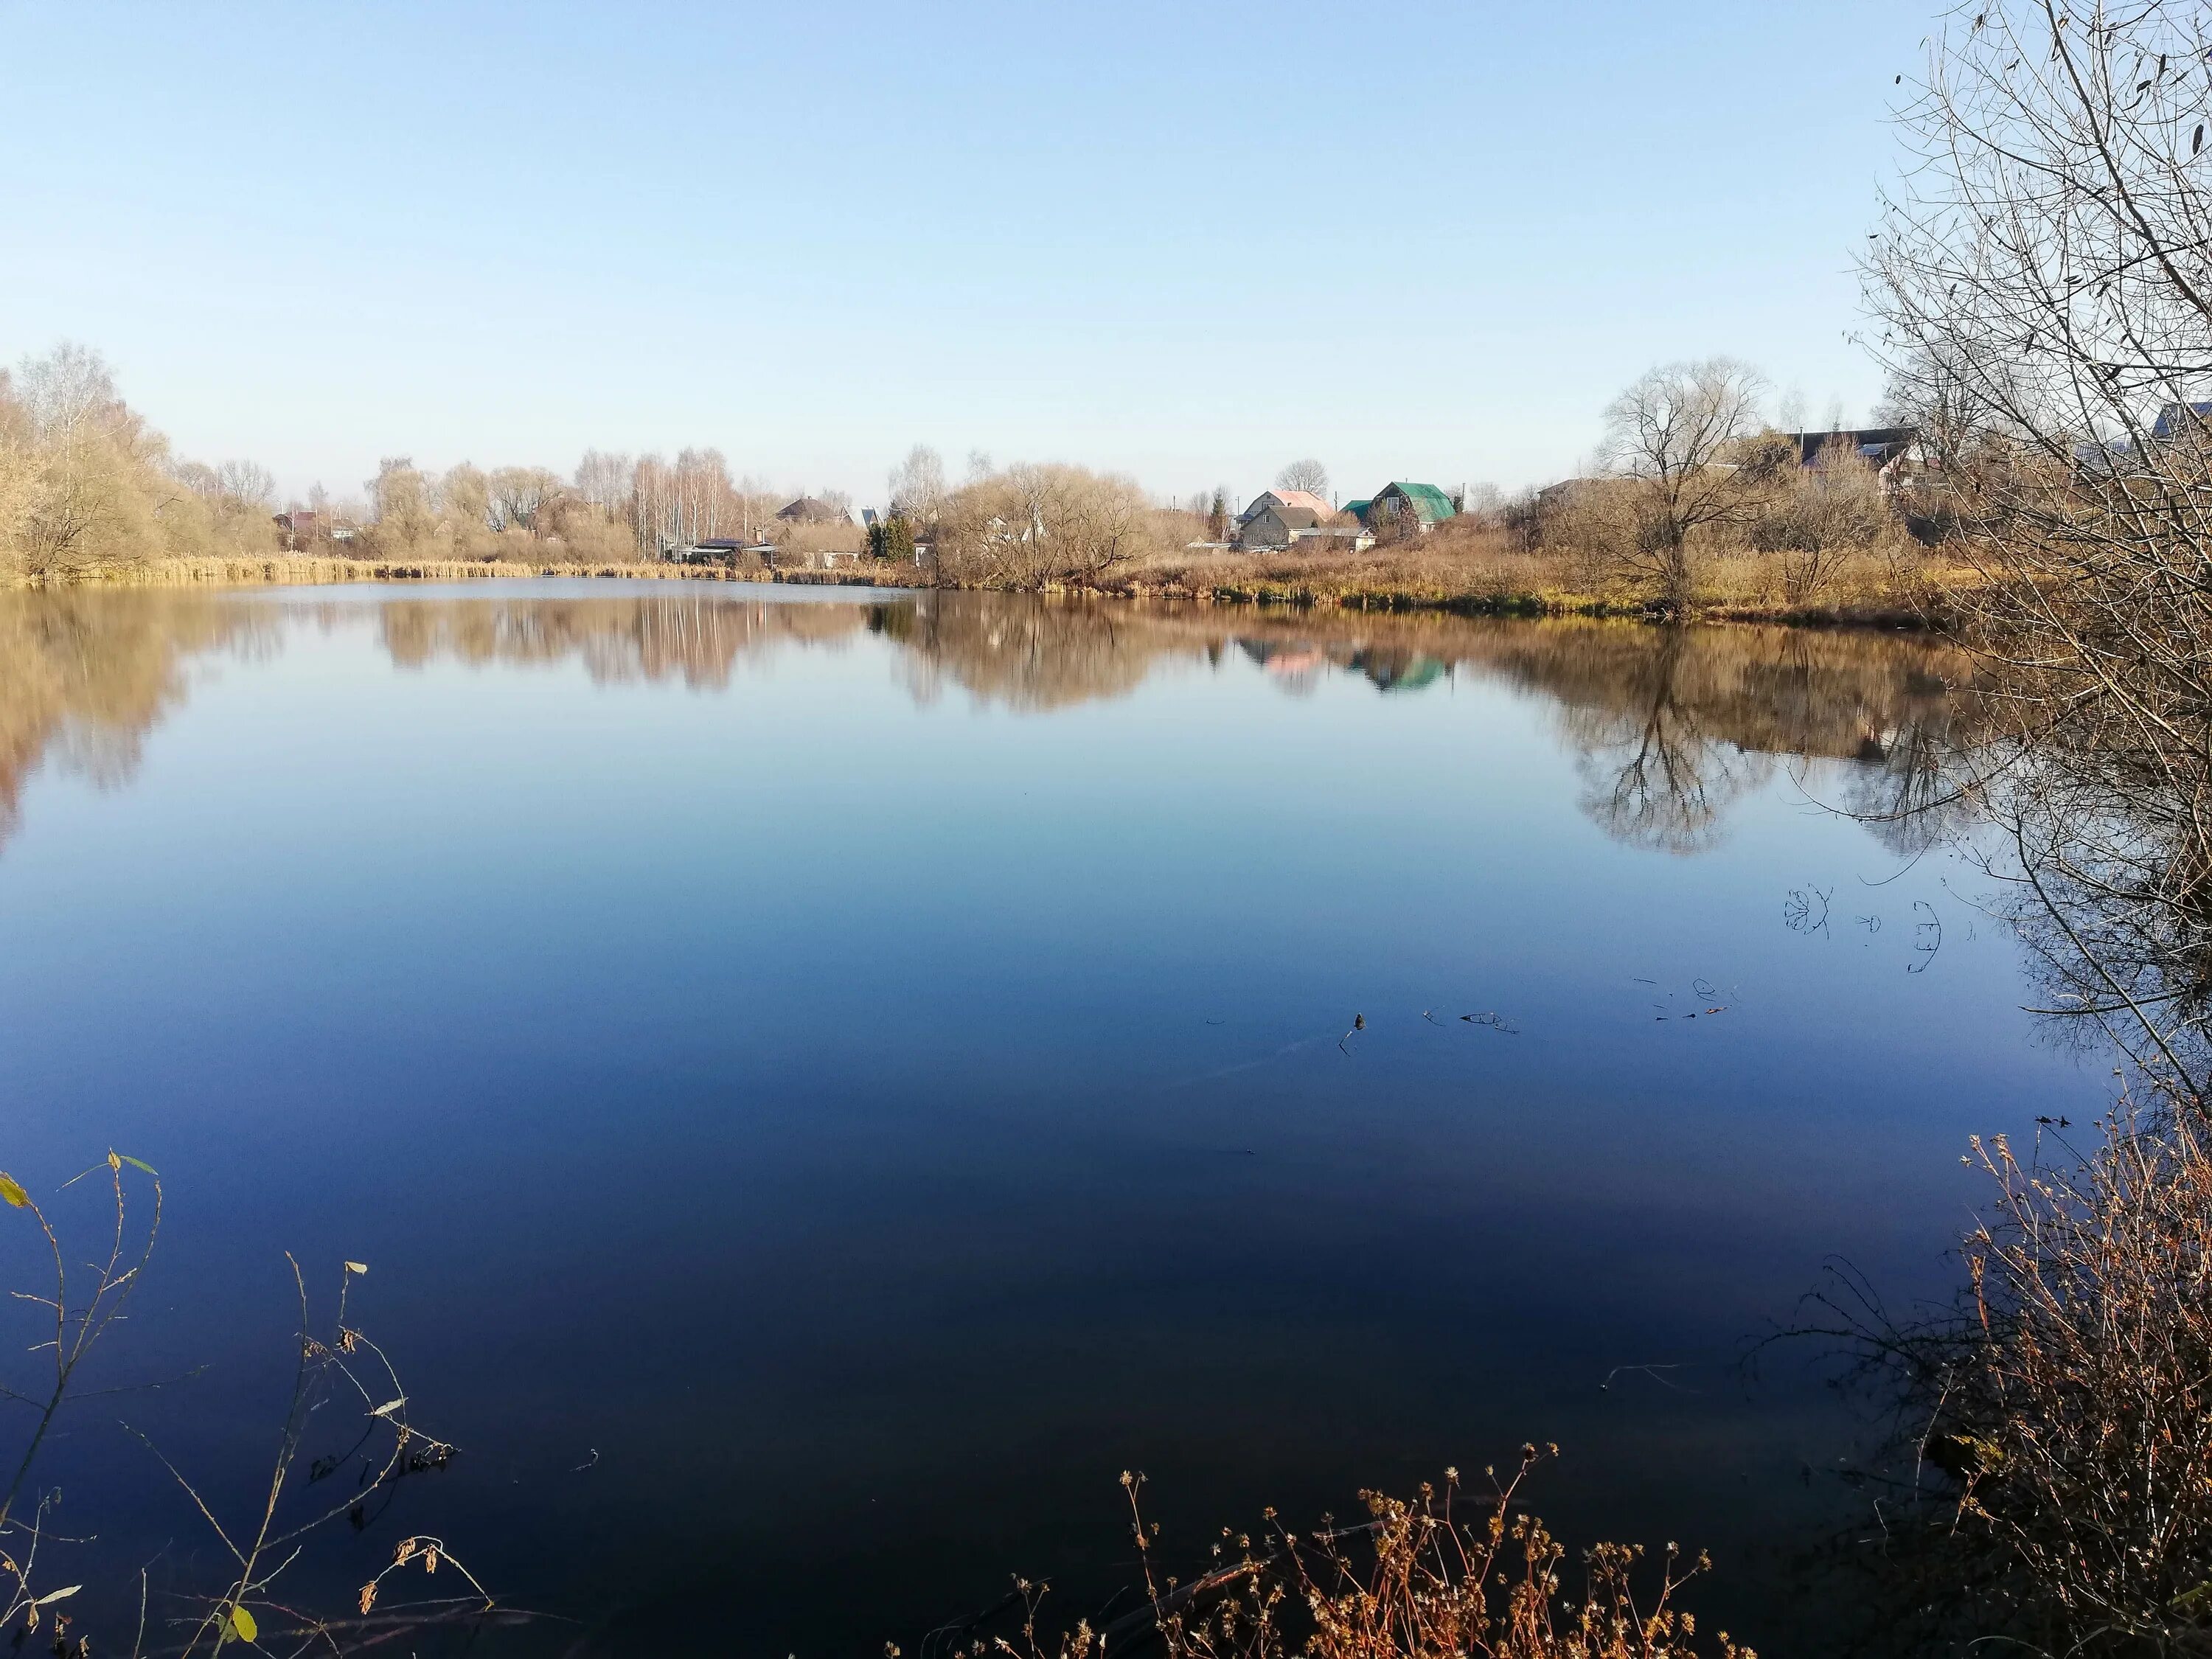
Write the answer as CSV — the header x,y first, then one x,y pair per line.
x,y
1689,476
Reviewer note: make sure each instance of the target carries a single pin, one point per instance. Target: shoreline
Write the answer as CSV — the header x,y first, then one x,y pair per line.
x,y
284,570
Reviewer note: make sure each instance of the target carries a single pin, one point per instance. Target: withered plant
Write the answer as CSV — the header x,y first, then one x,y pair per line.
x,y
1413,1581
307,1492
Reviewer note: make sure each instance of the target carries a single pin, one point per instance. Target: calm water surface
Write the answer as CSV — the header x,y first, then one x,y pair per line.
x,y
824,1081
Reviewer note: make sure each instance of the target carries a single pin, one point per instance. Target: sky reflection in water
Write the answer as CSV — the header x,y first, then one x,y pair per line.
x,y
867,1070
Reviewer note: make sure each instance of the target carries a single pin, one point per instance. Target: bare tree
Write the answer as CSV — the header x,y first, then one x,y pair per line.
x,y
604,479
1306,474
917,487
399,503
1032,525
1817,519
465,498
2046,320
518,494
1674,434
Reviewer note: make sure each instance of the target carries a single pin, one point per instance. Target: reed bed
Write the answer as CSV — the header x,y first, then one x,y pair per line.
x,y
301,569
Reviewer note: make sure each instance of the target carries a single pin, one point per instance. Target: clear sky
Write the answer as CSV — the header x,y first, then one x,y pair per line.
x,y
1184,238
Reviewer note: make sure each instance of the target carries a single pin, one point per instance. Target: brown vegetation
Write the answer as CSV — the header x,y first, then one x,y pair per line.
x,y
2044,311
1486,568
1414,1581
87,487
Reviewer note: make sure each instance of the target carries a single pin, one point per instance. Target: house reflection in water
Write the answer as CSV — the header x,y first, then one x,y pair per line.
x,y
1297,664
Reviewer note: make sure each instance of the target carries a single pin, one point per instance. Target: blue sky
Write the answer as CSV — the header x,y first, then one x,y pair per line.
x,y
1189,240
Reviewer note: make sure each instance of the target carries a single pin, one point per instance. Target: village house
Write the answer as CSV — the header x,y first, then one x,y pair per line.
x,y
299,527
1890,451
1271,525
1428,505
1304,499
813,509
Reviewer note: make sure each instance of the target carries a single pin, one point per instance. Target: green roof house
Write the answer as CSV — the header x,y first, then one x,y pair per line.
x,y
1359,508
1429,505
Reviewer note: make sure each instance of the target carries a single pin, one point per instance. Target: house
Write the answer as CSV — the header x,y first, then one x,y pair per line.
x,y
722,550
1877,446
813,509
1298,498
1890,451
1271,525
2175,419
1359,508
1429,506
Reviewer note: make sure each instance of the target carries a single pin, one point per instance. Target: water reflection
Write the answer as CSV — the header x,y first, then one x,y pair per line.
x,y
84,675
943,1114
1670,726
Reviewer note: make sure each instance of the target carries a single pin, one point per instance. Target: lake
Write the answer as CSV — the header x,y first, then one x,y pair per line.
x,y
823,1080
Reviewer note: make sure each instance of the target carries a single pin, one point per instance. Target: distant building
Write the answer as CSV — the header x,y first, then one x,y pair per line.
x,y
1890,451
1298,498
1271,525
297,529
1877,446
1359,508
722,550
1429,505
2175,419
813,509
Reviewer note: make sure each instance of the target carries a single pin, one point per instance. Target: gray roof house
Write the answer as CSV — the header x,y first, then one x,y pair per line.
x,y
1273,526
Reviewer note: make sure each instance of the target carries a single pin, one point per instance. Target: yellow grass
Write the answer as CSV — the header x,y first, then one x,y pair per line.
x,y
307,569
1471,575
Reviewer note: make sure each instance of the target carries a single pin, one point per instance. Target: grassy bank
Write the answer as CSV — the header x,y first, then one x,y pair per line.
x,y
1460,578
300,569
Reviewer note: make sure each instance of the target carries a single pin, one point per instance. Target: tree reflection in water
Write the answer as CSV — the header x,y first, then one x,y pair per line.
x,y
1670,727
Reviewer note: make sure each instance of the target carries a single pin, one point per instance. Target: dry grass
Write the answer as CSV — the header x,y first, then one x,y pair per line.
x,y
1466,571
1483,571
1414,1581
311,570
2054,1490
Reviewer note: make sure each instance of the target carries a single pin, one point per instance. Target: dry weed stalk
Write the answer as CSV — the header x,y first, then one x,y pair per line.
x,y
80,1319
2080,1423
344,1365
1412,1582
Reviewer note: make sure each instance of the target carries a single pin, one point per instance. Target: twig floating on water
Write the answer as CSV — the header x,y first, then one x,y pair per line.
x,y
1651,1371
1497,1022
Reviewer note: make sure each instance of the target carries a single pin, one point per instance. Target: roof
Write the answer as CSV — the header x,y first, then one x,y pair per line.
x,y
1292,518
1428,502
1878,443
1359,508
811,509
2170,418
1304,498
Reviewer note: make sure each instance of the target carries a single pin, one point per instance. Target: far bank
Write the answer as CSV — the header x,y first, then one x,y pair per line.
x,y
1746,590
